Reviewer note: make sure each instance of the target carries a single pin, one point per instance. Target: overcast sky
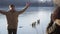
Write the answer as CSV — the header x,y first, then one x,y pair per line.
x,y
6,2
2,1
18,2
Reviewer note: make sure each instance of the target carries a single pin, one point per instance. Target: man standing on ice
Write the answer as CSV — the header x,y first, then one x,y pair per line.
x,y
12,18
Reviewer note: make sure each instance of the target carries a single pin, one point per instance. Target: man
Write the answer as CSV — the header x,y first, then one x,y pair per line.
x,y
12,18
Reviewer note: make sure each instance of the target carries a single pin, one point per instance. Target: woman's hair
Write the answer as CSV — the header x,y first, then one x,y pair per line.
x,y
56,14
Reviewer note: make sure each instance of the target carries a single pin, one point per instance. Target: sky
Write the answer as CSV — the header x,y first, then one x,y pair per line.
x,y
23,0
44,0
16,1
19,2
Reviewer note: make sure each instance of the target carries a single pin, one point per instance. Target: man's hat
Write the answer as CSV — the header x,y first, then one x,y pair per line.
x,y
56,2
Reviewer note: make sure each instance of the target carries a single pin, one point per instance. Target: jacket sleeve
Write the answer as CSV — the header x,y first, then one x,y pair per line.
x,y
3,12
23,10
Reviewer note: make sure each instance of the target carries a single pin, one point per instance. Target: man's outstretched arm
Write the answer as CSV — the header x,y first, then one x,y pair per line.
x,y
3,12
22,11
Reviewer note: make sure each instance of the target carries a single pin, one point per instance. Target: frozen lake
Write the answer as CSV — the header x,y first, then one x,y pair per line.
x,y
26,19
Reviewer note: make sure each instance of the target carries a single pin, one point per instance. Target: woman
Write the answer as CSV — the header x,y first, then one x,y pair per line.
x,y
54,25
